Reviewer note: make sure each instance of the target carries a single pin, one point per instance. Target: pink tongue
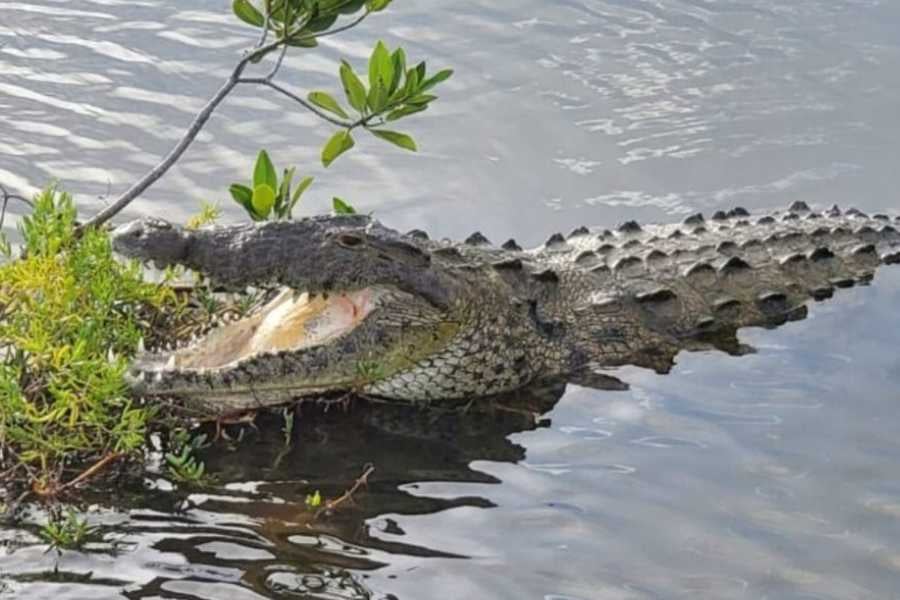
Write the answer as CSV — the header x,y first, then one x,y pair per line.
x,y
356,305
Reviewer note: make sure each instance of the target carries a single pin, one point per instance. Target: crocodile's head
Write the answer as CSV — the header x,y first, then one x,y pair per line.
x,y
357,301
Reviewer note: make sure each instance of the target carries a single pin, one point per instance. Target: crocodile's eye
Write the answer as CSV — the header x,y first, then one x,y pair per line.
x,y
349,241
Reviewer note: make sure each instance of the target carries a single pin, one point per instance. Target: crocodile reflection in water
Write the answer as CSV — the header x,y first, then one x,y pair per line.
x,y
407,445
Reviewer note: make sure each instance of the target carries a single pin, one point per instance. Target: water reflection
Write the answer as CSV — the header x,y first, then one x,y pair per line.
x,y
769,475
253,531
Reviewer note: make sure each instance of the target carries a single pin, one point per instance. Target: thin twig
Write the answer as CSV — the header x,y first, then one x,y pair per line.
x,y
92,470
350,25
203,116
265,30
199,121
6,198
278,62
363,480
307,105
265,33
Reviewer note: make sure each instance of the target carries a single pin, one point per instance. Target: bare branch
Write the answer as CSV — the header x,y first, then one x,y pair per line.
x,y
347,496
260,50
265,32
265,29
278,62
6,198
172,157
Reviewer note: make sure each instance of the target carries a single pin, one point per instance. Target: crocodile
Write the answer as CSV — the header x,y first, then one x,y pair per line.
x,y
356,305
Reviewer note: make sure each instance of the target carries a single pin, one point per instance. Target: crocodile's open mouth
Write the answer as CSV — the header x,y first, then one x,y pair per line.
x,y
290,321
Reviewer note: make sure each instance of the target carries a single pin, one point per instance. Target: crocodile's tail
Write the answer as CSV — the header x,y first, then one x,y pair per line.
x,y
662,289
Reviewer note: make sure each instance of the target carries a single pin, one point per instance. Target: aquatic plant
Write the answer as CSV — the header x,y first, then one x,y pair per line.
x,y
66,530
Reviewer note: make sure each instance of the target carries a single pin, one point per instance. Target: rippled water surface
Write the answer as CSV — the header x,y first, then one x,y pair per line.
x,y
773,475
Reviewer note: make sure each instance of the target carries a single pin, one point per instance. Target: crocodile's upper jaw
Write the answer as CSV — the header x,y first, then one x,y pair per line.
x,y
316,254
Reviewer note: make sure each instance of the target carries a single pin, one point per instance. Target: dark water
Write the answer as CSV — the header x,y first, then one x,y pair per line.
x,y
773,475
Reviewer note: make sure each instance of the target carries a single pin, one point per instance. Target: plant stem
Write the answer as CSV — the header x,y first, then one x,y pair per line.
x,y
172,157
363,480
261,49
308,106
6,197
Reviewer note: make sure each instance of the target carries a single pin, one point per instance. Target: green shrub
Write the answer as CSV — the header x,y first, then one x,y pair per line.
x,y
71,317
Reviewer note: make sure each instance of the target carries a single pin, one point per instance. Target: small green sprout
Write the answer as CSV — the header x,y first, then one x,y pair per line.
x,y
66,532
342,207
266,197
314,500
181,464
209,213
369,371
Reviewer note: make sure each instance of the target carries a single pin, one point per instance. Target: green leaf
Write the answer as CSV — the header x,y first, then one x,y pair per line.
x,y
421,99
321,23
353,87
264,171
301,187
405,111
377,5
246,12
339,143
396,138
420,72
398,59
263,200
436,79
381,67
341,207
412,83
346,7
242,195
377,98
278,10
324,100
302,41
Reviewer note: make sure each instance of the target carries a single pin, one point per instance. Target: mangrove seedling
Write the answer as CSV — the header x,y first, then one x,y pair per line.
x,y
267,197
66,531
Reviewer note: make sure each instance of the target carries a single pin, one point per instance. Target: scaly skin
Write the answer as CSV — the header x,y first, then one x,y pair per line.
x,y
441,320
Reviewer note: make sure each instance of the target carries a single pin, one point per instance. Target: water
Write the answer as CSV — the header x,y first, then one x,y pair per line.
x,y
771,476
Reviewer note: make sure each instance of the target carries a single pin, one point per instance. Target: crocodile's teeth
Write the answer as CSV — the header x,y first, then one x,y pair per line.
x,y
158,377
170,364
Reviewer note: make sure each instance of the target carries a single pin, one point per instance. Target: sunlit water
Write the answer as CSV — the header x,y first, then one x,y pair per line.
x,y
773,475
